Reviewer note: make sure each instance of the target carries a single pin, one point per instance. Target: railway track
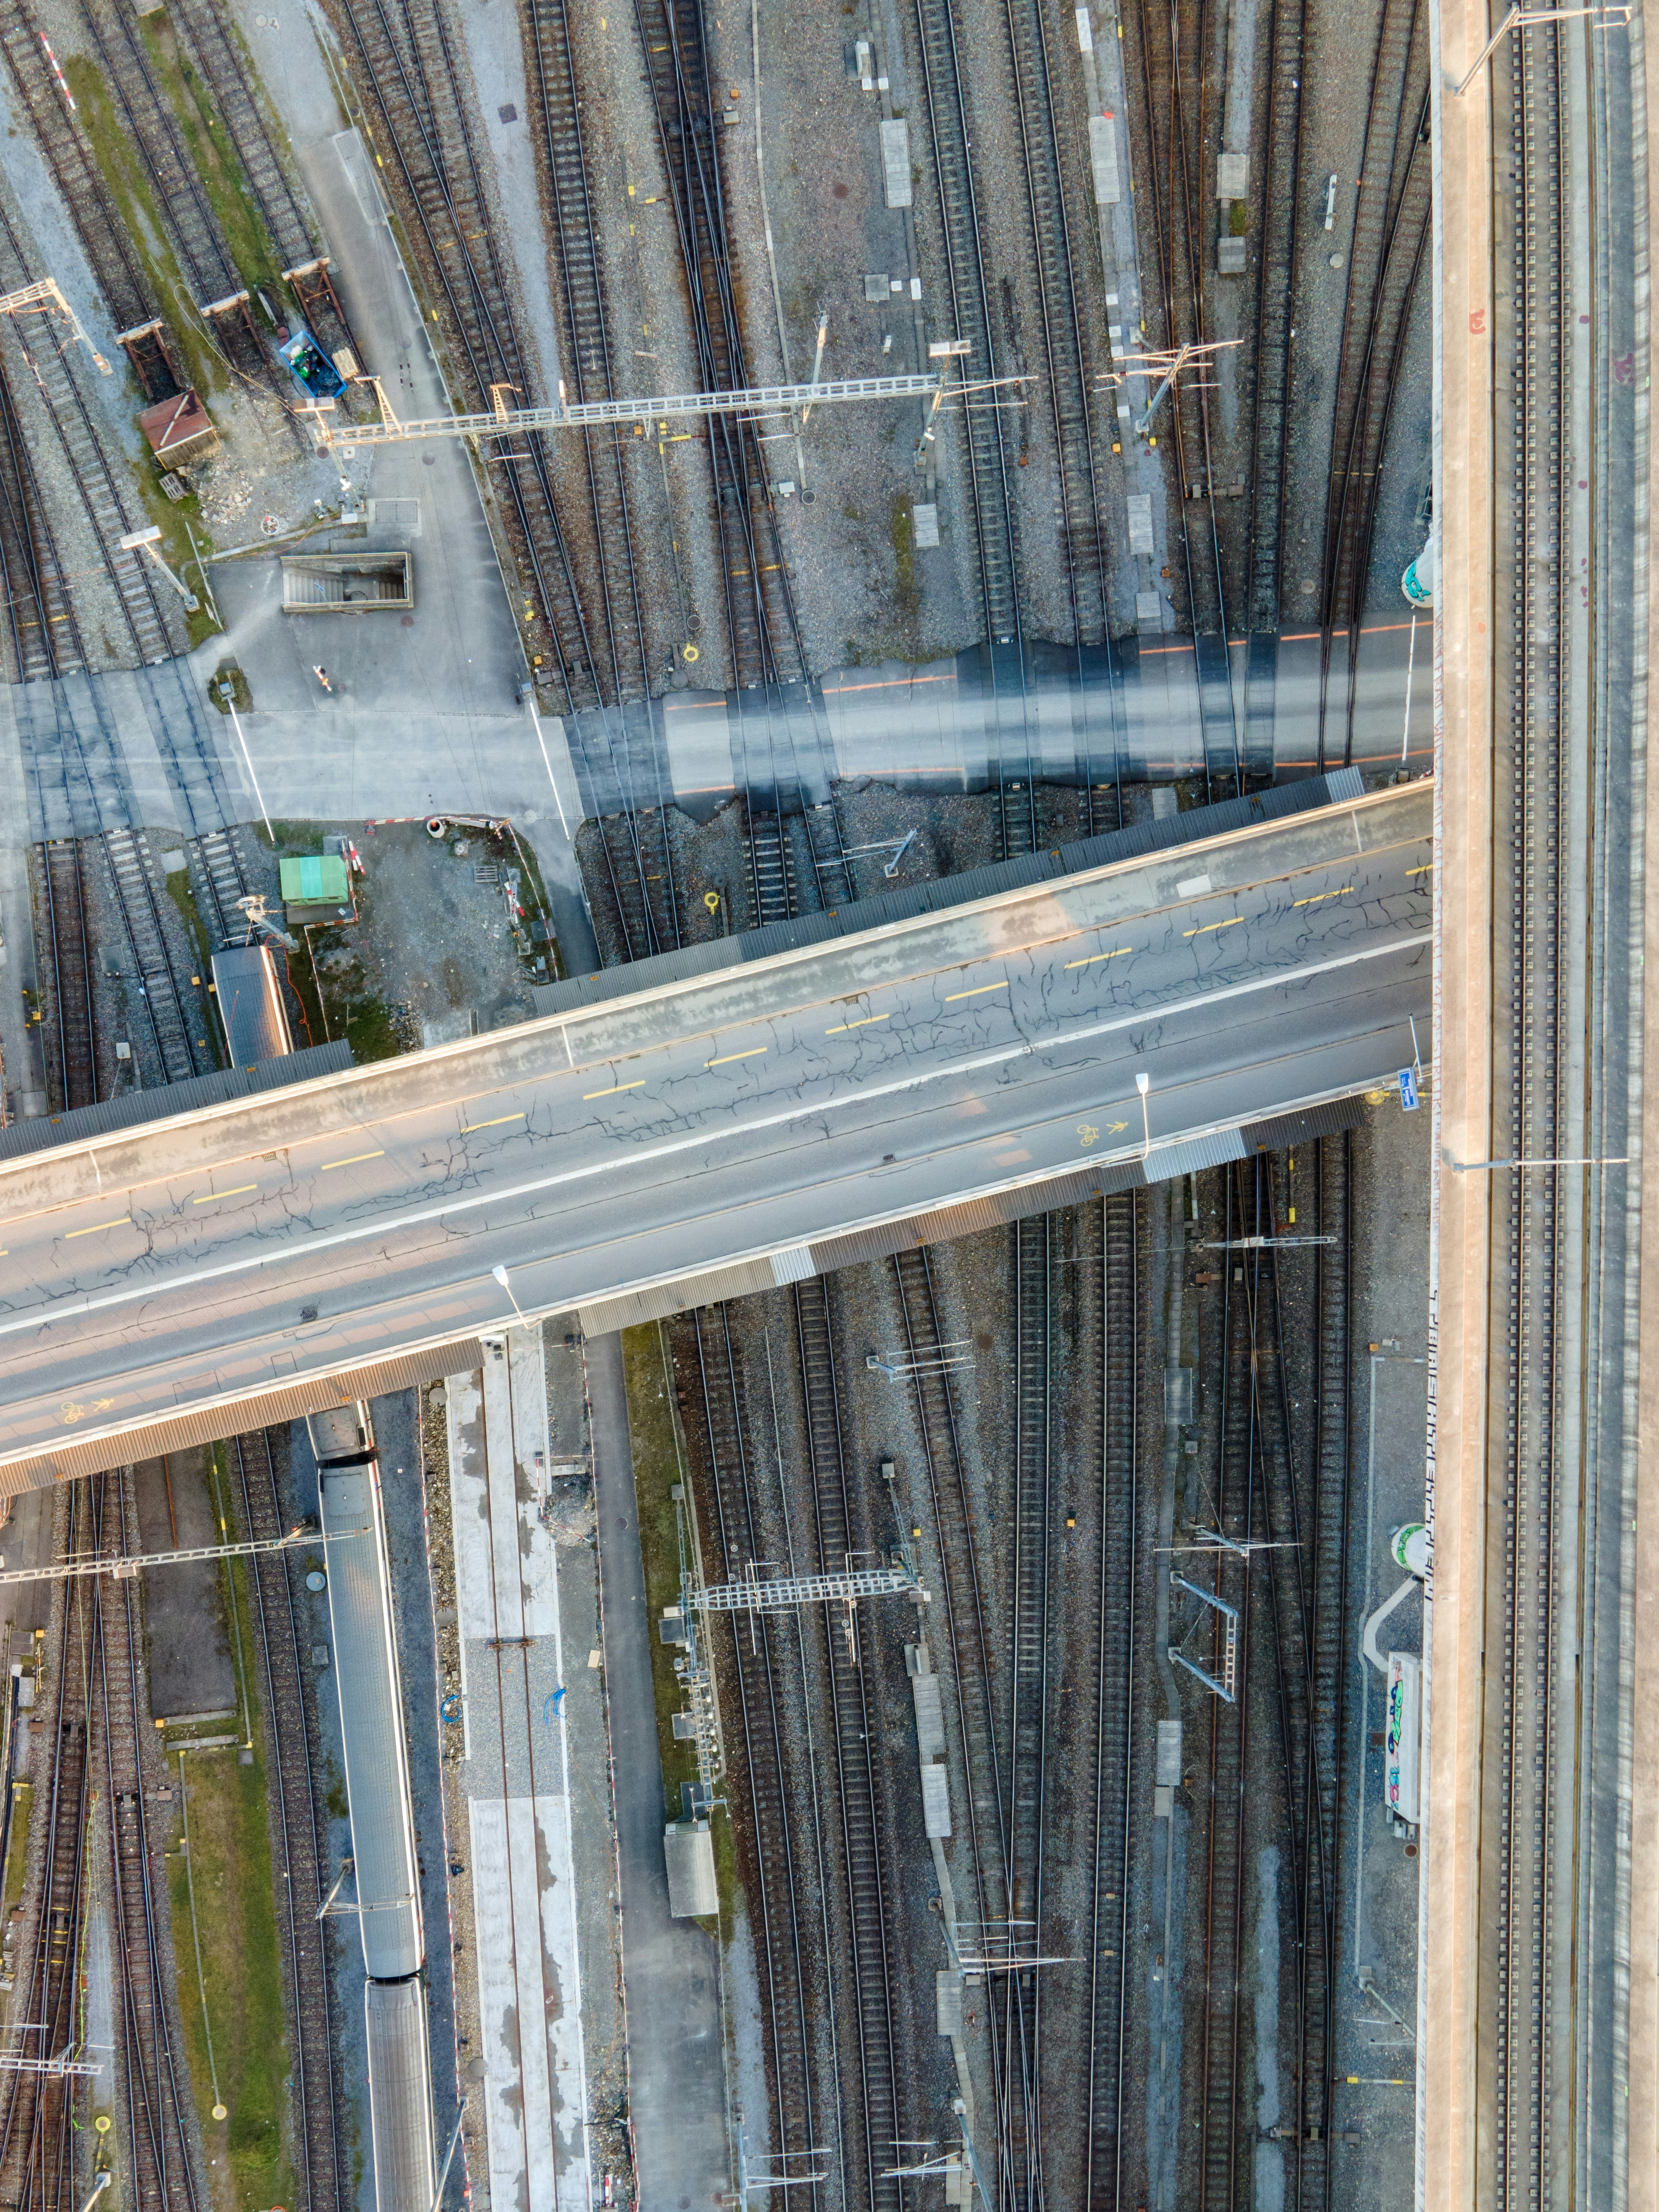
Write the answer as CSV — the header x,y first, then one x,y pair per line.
x,y
1530,1909
585,345
402,62
762,625
966,1607
39,2123
155,2104
771,867
639,866
211,47
1275,316
221,880
1115,1747
69,1031
299,1836
163,999
758,1665
41,634
872,2103
1217,1851
1170,82
103,234
996,530
1328,1649
221,297
1070,394
1385,259
1028,1693
148,625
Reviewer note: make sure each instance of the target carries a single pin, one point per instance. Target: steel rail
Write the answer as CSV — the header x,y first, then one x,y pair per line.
x,y
873,2101
1176,199
1114,1748
779,1963
449,217
298,1835
71,1030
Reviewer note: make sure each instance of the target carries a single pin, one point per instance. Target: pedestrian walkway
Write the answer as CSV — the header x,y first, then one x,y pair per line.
x,y
515,1779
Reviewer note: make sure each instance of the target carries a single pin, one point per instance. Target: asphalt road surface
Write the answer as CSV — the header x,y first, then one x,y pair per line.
x,y
739,1113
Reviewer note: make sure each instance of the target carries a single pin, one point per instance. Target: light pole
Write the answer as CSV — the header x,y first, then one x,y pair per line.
x,y
1143,1084
499,1273
146,541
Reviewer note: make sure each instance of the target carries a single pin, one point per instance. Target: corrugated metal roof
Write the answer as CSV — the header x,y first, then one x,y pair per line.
x,y
399,2094
273,1407
946,1223
136,1107
792,1264
245,984
1287,1129
372,1724
662,1299
934,896
1211,1152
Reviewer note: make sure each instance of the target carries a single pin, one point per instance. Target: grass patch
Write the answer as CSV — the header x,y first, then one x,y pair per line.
x,y
241,696
906,593
123,171
183,894
215,157
656,1469
18,1846
229,1863
1239,219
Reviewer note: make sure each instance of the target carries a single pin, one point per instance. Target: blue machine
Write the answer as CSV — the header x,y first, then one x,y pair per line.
x,y
311,366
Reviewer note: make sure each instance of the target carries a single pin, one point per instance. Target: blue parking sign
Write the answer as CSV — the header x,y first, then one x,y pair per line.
x,y
1408,1098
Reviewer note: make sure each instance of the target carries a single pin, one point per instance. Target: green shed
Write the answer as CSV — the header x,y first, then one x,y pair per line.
x,y
319,879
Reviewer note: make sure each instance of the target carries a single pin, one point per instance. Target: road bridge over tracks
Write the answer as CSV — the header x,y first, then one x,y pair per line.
x,y
711,1123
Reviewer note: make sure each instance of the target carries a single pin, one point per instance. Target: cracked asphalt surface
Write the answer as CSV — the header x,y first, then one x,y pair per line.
x,y
732,1115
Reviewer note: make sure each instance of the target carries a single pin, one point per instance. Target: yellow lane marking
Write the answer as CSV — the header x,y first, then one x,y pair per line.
x,y
613,1090
500,1122
240,1191
1204,928
978,991
754,1051
97,1225
353,1161
1427,869
863,1023
1093,957
1315,898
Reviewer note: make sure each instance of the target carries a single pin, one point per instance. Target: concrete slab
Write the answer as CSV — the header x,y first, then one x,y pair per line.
x,y
191,1668
514,1776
